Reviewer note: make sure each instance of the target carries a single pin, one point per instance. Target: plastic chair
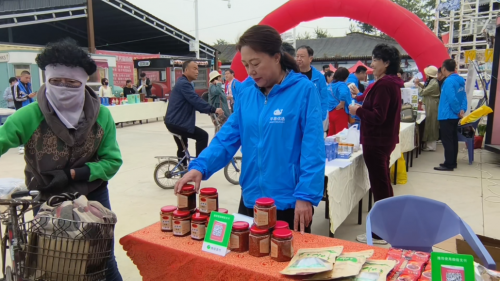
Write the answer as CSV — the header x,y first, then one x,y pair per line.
x,y
417,223
468,141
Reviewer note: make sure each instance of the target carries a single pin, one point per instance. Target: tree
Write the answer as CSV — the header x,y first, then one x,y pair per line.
x,y
221,42
305,35
321,33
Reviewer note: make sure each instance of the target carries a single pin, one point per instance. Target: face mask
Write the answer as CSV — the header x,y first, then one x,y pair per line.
x,y
106,83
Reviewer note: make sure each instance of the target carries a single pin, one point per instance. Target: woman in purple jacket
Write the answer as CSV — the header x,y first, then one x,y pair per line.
x,y
380,118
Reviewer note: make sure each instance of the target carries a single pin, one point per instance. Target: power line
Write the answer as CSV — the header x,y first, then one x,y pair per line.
x,y
226,24
131,41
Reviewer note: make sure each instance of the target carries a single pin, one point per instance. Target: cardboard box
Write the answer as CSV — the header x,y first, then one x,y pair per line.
x,y
458,245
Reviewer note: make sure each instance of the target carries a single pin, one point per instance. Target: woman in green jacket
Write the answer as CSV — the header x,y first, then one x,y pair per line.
x,y
430,92
69,138
217,98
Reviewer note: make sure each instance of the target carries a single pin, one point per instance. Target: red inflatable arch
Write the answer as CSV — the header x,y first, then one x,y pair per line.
x,y
406,28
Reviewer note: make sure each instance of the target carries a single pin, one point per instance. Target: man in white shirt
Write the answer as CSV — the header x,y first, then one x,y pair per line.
x,y
7,94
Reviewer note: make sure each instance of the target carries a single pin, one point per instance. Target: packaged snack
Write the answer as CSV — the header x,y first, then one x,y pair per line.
x,y
396,253
421,256
407,277
426,276
393,275
400,263
414,268
310,261
428,267
375,270
408,254
484,274
346,265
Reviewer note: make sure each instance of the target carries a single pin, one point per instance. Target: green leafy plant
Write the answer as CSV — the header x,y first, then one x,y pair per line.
x,y
481,129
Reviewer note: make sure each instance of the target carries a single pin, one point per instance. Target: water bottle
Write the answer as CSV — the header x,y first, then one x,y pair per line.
x,y
329,150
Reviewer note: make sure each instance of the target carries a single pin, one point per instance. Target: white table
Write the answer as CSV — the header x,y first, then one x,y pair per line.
x,y
4,113
138,112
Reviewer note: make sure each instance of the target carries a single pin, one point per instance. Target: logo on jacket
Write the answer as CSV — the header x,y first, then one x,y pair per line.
x,y
276,119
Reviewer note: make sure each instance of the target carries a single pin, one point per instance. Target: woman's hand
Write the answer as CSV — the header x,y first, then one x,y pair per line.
x,y
303,215
354,90
191,176
353,109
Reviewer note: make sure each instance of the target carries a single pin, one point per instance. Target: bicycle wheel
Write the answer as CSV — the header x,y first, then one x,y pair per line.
x,y
232,171
166,174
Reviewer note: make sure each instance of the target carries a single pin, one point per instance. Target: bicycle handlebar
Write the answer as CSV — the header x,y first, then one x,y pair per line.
x,y
24,193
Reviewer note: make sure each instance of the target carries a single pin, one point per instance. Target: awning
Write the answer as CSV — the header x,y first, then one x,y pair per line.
x,y
359,63
101,64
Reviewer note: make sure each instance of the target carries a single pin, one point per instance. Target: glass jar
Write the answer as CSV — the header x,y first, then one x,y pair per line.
x,y
166,218
239,237
281,225
198,226
209,200
265,213
222,210
186,199
258,244
282,245
182,223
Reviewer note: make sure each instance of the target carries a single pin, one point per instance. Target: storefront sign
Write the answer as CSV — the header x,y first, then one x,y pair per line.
x,y
125,66
144,63
218,234
4,57
180,62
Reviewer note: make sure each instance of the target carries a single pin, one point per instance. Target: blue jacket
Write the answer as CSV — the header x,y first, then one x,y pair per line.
x,y
281,139
453,98
339,92
353,79
183,104
319,81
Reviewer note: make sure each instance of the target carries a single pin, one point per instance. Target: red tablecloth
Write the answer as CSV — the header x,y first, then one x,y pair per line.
x,y
161,256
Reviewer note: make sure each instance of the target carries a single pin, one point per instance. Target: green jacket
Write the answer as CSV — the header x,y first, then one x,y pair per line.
x,y
430,97
91,150
217,98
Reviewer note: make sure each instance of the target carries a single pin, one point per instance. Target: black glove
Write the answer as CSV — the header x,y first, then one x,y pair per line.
x,y
60,180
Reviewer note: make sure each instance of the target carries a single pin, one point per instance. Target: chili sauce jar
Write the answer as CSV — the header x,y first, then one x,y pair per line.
x,y
282,245
222,210
265,213
186,199
166,215
182,223
281,225
198,226
239,237
258,245
209,200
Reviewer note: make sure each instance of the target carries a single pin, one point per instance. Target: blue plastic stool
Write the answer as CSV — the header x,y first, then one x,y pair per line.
x,y
468,141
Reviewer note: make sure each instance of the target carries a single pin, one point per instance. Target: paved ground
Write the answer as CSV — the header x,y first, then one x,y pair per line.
x,y
472,191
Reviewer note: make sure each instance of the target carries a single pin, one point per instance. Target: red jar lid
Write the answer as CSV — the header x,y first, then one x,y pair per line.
x,y
240,225
208,191
281,225
188,187
199,217
222,210
168,209
265,202
258,231
282,234
182,214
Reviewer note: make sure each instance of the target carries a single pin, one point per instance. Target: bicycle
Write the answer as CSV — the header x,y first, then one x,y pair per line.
x,y
48,248
170,169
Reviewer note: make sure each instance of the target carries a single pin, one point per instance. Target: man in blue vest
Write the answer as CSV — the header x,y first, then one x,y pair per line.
x,y
304,57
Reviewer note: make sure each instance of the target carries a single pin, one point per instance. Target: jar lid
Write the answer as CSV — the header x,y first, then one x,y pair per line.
x,y
240,225
222,210
282,225
259,231
199,217
182,214
265,202
282,234
208,191
188,187
168,209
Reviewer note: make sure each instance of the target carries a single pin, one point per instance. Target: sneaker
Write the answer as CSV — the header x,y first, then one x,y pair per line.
x,y
428,149
362,239
21,150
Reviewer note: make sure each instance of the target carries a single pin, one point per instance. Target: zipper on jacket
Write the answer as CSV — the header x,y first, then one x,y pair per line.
x,y
260,147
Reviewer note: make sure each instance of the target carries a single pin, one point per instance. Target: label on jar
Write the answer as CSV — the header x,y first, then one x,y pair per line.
x,y
182,227
208,205
182,201
198,231
261,218
264,246
234,242
166,223
274,249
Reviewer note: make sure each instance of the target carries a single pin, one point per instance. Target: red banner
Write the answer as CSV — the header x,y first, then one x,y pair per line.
x,y
124,69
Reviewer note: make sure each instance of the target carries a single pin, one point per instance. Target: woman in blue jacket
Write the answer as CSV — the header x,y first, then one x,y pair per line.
x,y
278,124
338,102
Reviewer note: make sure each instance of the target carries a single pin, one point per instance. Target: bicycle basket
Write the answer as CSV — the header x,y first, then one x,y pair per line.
x,y
66,251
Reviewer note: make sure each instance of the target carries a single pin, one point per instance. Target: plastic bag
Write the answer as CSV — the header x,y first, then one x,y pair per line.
x,y
7,187
353,136
402,176
476,114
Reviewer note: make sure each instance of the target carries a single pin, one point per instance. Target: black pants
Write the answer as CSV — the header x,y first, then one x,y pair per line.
x,y
199,135
285,215
449,138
